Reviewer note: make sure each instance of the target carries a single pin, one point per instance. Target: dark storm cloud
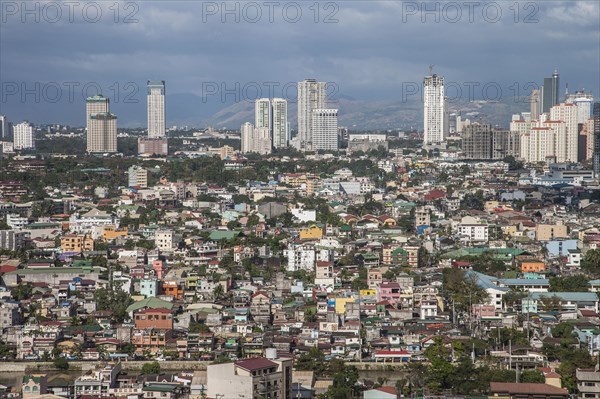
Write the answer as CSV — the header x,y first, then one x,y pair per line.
x,y
372,49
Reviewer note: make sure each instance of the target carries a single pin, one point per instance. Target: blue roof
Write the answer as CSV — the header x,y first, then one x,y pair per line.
x,y
567,296
525,281
484,281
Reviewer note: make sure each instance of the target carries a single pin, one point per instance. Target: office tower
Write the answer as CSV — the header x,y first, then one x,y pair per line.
x,y
311,95
596,158
550,92
262,113
535,104
280,123
101,125
23,136
156,109
5,130
566,145
246,132
434,112
324,126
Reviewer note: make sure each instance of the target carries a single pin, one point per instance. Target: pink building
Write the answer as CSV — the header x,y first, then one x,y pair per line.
x,y
389,291
158,267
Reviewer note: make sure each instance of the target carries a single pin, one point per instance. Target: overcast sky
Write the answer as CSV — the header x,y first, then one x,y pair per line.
x,y
372,50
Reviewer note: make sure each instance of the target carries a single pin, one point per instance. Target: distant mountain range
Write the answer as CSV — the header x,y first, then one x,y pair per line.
x,y
195,111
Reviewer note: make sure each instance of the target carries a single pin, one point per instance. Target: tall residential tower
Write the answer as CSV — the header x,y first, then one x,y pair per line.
x,y
312,95
434,109
101,125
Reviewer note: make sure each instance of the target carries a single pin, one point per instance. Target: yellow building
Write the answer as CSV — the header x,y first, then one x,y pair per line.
x,y
533,267
313,232
340,304
111,232
76,243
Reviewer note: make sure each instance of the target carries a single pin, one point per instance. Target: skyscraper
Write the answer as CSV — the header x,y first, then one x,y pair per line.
x,y
246,133
5,131
596,159
535,104
584,102
434,112
101,125
550,92
566,149
324,129
156,109
23,136
262,113
311,95
280,123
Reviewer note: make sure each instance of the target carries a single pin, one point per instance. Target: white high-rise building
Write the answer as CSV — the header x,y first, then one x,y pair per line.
x,y
324,129
101,125
247,131
567,146
23,136
584,102
434,109
137,176
311,95
280,123
262,113
156,109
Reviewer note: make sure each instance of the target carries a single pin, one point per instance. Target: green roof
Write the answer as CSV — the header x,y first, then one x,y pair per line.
x,y
152,302
220,235
499,253
160,388
55,270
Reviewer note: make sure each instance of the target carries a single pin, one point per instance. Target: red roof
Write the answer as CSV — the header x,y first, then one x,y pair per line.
x,y
392,353
390,390
256,363
526,388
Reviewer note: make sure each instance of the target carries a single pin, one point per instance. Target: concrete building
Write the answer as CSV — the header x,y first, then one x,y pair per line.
x,y
280,130
97,382
263,116
253,378
156,109
484,142
23,138
312,95
166,240
153,146
584,103
434,110
5,130
535,104
76,243
101,126
588,383
596,157
255,139
566,149
137,177
324,129
11,240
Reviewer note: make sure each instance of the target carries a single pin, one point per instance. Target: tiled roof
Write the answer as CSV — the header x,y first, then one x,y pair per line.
x,y
256,363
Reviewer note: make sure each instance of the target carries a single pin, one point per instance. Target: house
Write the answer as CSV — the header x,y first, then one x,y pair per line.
x,y
516,390
384,392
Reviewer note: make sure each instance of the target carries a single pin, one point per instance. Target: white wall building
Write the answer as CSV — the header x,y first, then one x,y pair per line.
x,y
23,137
137,176
311,95
301,257
166,240
156,109
471,229
280,131
434,109
325,130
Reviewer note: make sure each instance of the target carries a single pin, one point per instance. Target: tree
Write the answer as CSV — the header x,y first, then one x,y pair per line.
x,y
440,370
569,284
115,300
591,262
61,363
462,289
151,368
218,291
22,291
550,303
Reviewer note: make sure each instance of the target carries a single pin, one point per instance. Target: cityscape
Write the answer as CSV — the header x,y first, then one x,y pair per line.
x,y
300,243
